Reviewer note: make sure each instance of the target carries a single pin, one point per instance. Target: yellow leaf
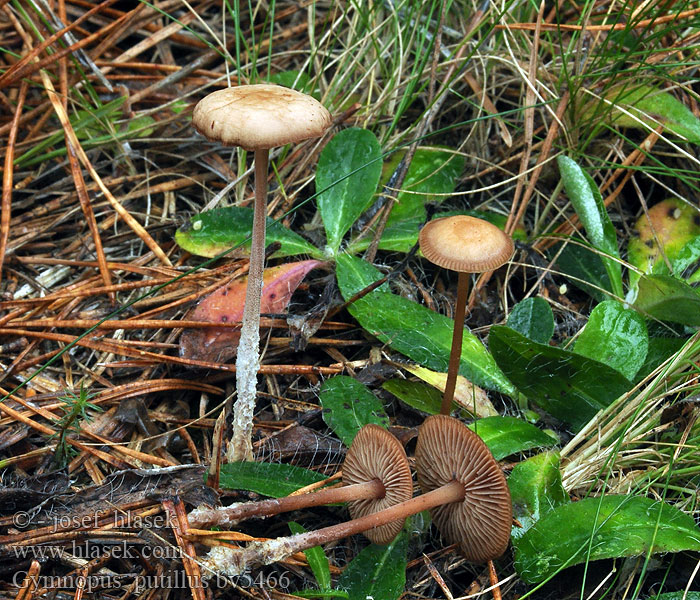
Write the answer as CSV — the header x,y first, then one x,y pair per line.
x,y
468,396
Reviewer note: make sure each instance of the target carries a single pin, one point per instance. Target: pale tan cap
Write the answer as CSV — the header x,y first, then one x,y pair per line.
x,y
376,454
480,524
466,244
259,117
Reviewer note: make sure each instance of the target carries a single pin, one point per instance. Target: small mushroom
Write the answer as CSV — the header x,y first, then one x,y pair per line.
x,y
376,475
466,245
464,483
448,452
379,457
256,118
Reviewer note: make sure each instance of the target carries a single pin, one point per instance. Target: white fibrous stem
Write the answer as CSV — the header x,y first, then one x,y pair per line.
x,y
222,561
248,358
203,516
232,562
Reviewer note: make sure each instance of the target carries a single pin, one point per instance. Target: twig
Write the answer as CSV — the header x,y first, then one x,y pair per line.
x,y
616,27
7,177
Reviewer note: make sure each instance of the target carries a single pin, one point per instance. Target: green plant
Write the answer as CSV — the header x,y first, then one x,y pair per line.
x,y
75,407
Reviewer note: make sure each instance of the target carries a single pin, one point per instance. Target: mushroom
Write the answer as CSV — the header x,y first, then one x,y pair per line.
x,y
256,118
463,482
466,245
449,453
376,475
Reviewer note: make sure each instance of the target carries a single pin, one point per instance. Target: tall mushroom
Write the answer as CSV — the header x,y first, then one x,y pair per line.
x,y
466,245
375,473
256,118
462,484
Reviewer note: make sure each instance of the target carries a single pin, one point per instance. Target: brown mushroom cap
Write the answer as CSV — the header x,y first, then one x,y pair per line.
x,y
376,454
465,244
480,524
259,117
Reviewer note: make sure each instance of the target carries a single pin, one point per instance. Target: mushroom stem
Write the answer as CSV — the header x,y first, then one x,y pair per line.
x,y
457,336
248,358
201,518
233,562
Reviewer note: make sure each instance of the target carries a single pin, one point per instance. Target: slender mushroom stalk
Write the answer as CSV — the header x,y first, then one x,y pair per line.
x,y
376,474
256,118
471,488
229,516
466,245
234,561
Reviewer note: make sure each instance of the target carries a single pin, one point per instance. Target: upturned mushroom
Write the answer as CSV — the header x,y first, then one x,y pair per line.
x,y
467,245
375,473
256,118
450,455
462,483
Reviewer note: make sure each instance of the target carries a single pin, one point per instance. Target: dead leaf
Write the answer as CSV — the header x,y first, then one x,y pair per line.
x,y
468,396
225,305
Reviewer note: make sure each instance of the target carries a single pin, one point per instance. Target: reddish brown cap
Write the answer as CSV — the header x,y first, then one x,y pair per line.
x,y
465,244
480,524
258,117
376,454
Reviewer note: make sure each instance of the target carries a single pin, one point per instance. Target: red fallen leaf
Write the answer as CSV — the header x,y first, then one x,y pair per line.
x,y
225,305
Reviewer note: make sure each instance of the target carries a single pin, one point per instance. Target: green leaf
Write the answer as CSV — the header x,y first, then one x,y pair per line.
x,y
597,528
535,489
688,255
417,332
318,561
533,318
377,572
585,269
616,336
417,395
507,435
467,397
346,178
321,594
213,231
400,237
587,201
677,596
668,299
432,175
295,80
348,406
139,127
268,479
660,349
571,387
497,219
653,107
